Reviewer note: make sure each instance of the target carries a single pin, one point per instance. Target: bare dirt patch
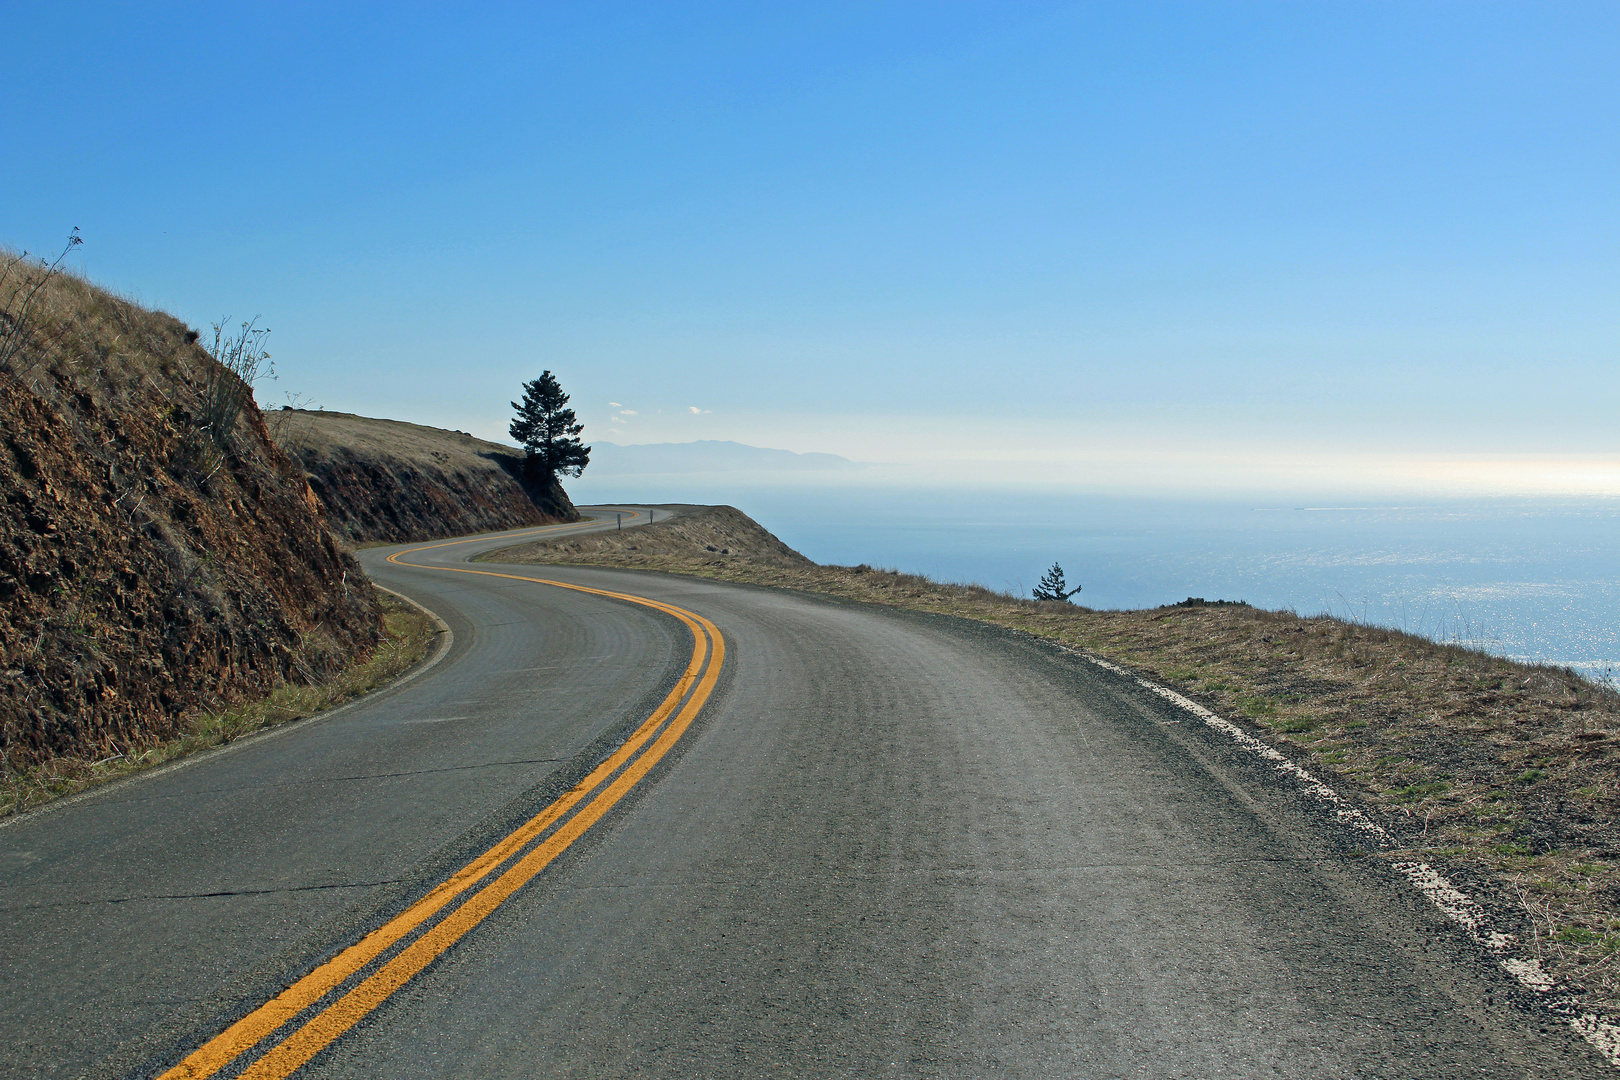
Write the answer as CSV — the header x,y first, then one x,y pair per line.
x,y
386,481
158,554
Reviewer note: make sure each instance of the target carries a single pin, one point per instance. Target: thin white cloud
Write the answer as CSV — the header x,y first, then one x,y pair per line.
x,y
695,411
614,405
627,412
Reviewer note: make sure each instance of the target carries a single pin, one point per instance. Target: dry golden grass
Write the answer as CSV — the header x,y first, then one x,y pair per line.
x,y
408,632
83,328
698,532
1510,772
322,435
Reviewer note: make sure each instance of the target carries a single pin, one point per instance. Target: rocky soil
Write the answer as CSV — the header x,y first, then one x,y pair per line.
x,y
386,480
147,569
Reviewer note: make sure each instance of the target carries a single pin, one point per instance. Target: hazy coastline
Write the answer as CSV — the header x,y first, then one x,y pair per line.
x,y
1530,578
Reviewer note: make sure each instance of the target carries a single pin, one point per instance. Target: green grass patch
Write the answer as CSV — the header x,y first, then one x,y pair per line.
x,y
1417,792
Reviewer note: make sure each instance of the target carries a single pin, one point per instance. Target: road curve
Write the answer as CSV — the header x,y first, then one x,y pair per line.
x,y
886,844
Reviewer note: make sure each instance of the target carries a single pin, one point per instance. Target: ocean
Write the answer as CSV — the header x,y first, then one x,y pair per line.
x,y
1535,579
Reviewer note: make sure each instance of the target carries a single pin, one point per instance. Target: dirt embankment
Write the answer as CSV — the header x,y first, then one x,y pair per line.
x,y
706,534
149,569
386,480
1505,774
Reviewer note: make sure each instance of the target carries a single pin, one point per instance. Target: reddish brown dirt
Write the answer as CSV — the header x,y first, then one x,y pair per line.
x,y
140,583
386,480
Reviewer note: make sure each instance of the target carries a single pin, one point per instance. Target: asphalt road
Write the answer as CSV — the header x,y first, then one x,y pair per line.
x,y
887,845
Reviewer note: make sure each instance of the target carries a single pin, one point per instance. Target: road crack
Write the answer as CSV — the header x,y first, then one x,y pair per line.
x,y
216,894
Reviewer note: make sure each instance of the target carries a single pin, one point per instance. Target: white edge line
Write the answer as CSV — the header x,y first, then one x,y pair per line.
x,y
1451,901
446,638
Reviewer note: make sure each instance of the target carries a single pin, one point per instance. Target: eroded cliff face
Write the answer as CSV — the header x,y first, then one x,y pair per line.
x,y
386,480
147,570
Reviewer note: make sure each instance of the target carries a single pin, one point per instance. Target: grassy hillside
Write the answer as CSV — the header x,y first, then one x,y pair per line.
x,y
386,480
714,534
159,556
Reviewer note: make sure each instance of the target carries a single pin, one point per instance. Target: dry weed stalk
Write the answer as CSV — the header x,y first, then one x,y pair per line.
x,y
18,308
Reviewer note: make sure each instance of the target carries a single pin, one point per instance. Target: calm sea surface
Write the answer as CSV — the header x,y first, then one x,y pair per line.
x,y
1534,579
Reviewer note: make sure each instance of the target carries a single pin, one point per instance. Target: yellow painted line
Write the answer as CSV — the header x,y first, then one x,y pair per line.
x,y
241,1036
350,1009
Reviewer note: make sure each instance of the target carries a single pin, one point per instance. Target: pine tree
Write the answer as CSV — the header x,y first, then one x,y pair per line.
x,y
1053,587
548,430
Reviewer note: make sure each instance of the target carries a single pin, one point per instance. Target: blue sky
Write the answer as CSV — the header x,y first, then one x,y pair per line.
x,y
1135,245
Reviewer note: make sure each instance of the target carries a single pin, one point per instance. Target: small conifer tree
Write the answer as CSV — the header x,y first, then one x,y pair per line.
x,y
1053,587
547,429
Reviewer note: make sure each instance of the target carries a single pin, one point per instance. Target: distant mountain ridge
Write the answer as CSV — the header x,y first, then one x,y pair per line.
x,y
706,455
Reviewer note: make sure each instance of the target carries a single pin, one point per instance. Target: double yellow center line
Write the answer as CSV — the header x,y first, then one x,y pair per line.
x,y
435,922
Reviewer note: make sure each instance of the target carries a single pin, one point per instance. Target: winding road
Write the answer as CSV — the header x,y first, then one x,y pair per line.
x,y
632,824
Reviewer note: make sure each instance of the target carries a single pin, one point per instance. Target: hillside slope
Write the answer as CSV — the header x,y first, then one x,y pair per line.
x,y
147,568
709,534
392,481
